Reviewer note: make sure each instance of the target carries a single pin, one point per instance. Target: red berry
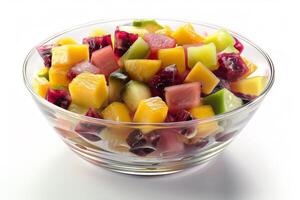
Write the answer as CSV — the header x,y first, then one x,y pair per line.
x,y
60,98
238,45
96,43
123,41
46,54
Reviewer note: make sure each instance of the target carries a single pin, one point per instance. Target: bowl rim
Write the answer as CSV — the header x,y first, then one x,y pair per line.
x,y
238,110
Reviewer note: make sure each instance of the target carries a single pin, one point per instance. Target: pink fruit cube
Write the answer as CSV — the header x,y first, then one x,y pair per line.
x,y
169,142
82,67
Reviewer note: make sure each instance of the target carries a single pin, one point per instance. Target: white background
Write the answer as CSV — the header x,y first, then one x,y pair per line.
x,y
261,164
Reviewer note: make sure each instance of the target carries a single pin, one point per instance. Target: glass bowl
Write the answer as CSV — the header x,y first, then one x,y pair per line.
x,y
170,147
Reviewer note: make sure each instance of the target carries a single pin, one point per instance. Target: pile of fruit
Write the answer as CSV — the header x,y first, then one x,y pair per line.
x,y
148,73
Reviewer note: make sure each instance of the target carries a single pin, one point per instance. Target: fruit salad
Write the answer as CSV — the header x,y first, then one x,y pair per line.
x,y
148,73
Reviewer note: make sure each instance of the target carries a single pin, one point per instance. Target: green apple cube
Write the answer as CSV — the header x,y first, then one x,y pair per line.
x,y
230,49
138,50
206,54
221,39
223,101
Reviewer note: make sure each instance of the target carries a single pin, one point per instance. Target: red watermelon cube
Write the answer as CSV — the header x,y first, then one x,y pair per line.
x,y
184,96
105,60
158,41
169,142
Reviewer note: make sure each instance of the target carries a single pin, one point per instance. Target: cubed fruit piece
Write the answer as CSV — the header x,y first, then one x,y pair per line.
x,y
170,142
223,101
46,54
117,82
230,49
96,43
173,56
40,86
65,40
104,59
166,30
204,129
166,77
202,74
67,55
238,45
77,109
117,111
44,72
186,35
89,90
184,96
134,92
98,32
231,67
60,98
81,67
151,110
149,24
158,41
115,139
138,50
222,39
58,76
142,69
206,54
132,29
186,46
251,66
123,41
253,86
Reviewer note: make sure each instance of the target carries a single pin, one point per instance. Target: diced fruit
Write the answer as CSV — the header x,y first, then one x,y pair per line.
x,y
150,24
151,110
186,35
202,74
84,66
253,86
44,72
98,32
134,92
251,66
238,45
65,40
67,55
184,96
166,77
222,84
123,41
231,67
173,56
138,50
222,39
104,59
89,90
117,82
179,116
230,49
206,54
223,101
77,109
46,54
60,98
133,29
40,86
166,30
117,111
92,112
158,41
115,139
186,46
169,142
142,69
96,43
58,76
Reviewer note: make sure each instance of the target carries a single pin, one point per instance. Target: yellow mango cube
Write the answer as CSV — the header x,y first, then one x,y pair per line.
x,y
166,30
253,86
89,90
58,77
44,72
251,66
186,35
67,55
66,40
202,74
117,111
98,32
40,86
173,56
151,110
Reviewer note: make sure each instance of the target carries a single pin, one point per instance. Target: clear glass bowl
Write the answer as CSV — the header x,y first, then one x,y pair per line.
x,y
103,142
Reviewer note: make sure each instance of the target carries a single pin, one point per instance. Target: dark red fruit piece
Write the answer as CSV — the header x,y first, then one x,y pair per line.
x,y
222,137
46,54
142,151
60,98
178,116
92,112
201,143
123,41
184,75
166,77
135,139
97,42
238,45
231,67
82,67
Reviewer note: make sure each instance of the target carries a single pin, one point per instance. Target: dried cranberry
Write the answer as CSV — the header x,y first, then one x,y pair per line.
x,y
201,143
46,54
60,98
178,116
96,43
123,41
135,139
238,45
92,112
231,67
142,151
222,137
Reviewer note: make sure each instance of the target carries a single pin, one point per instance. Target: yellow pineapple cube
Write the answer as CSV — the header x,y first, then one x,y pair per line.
x,y
117,111
116,139
67,55
89,90
44,72
40,86
151,110
202,74
165,31
253,86
66,40
173,56
58,77
186,35
251,66
98,32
